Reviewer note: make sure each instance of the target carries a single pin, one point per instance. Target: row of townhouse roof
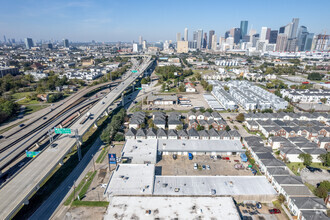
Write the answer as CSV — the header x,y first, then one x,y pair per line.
x,y
192,134
310,96
204,116
224,98
301,202
216,124
323,117
83,75
253,97
291,148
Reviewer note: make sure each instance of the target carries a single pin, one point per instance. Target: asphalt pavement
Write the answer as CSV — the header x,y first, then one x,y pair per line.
x,y
46,210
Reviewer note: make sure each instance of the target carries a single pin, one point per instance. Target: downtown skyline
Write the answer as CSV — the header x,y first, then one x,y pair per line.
x,y
102,21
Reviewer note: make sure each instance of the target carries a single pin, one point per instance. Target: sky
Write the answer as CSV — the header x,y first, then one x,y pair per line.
x,y
126,20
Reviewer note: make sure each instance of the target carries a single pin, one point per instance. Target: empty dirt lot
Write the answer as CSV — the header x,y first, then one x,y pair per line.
x,y
183,166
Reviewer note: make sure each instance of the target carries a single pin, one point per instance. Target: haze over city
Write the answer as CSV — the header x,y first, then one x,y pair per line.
x,y
110,21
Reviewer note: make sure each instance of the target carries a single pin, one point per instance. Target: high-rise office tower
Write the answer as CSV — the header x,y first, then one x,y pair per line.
x,y
211,33
195,36
28,43
295,23
227,34
4,39
281,42
144,45
292,44
214,42
237,35
302,35
205,40
244,28
140,40
254,39
288,29
263,34
178,37
308,42
66,43
199,38
186,34
273,36
268,33
281,30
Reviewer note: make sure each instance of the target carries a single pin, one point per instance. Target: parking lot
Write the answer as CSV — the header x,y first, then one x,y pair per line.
x,y
183,166
250,211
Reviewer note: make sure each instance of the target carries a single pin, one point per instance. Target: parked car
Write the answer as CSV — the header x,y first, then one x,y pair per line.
x,y
274,211
190,156
175,156
204,167
259,206
219,157
208,167
195,166
313,169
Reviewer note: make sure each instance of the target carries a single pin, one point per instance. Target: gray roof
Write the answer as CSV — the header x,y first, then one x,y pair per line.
x,y
131,132
315,150
298,139
182,133
172,133
161,133
203,133
266,155
273,163
297,190
305,203
314,215
162,97
234,133
215,114
224,134
277,171
193,133
294,180
140,133
151,132
174,122
213,133
261,149
291,150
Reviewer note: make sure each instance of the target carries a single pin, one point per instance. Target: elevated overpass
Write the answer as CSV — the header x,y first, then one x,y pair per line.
x,y
18,191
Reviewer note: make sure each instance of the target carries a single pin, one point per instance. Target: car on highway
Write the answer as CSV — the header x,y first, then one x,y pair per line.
x,y
1,136
44,118
53,145
274,211
21,125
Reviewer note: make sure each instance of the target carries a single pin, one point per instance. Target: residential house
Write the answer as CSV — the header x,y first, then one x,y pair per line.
x,y
130,134
298,204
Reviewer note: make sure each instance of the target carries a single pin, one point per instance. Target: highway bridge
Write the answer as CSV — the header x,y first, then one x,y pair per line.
x,y
18,190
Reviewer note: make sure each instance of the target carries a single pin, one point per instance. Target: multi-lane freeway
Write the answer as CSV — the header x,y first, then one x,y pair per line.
x,y
18,190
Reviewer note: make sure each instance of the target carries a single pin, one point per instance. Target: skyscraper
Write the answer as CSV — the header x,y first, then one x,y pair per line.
x,y
66,43
4,39
308,42
263,34
237,35
199,38
186,34
178,37
244,28
302,35
268,33
211,33
281,42
205,40
28,43
227,34
214,42
295,23
273,36
281,30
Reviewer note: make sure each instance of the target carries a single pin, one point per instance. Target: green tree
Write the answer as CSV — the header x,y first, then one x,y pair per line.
x,y
226,88
179,127
199,128
240,117
323,189
324,100
325,158
144,81
227,128
306,158
315,76
182,88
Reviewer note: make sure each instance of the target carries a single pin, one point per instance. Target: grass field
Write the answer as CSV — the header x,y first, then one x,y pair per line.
x,y
295,166
77,203
19,95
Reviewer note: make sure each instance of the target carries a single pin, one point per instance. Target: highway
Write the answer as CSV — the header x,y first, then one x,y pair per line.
x,y
17,191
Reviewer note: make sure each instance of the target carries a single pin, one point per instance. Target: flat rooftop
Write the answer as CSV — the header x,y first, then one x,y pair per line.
x,y
203,185
200,145
132,179
141,151
124,207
